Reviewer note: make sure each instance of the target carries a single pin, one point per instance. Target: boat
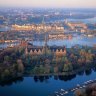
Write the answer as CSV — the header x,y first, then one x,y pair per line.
x,y
65,92
78,85
62,90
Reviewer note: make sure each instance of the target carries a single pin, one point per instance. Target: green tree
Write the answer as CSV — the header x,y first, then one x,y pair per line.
x,y
20,65
6,58
68,67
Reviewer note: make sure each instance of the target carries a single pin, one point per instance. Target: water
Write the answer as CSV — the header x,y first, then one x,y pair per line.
x,y
5,45
30,87
5,29
86,21
69,43
89,20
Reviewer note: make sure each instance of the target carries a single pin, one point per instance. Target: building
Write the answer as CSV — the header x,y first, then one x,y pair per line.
x,y
78,26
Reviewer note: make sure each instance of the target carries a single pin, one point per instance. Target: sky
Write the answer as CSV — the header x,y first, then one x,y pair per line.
x,y
49,3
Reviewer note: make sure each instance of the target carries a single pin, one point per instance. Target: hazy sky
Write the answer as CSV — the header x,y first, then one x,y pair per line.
x,y
49,3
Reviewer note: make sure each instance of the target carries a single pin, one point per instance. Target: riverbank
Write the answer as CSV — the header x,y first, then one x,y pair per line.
x,y
63,61
90,90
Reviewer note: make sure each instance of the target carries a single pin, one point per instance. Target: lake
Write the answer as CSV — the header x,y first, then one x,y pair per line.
x,y
30,86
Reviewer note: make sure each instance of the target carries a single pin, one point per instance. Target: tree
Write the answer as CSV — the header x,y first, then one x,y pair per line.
x,y
6,73
6,58
41,69
68,67
79,93
55,69
20,65
64,59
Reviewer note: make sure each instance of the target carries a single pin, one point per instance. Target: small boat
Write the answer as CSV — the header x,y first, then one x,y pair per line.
x,y
84,86
62,90
73,89
78,85
61,94
65,92
76,88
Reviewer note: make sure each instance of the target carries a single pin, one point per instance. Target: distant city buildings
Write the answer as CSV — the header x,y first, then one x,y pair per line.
x,y
37,27
77,26
17,25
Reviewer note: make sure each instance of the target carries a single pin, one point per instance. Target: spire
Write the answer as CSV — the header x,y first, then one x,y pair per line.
x,y
45,45
45,41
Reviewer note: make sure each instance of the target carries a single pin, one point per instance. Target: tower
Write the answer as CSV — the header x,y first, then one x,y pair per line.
x,y
45,45
45,38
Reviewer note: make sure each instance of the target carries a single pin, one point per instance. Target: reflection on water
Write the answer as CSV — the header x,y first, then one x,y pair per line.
x,y
46,77
56,77
10,82
44,85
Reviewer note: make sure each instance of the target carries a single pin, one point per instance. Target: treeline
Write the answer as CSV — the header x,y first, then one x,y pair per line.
x,y
10,64
75,59
14,62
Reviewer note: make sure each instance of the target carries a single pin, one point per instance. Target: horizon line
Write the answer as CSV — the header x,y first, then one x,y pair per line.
x,y
47,7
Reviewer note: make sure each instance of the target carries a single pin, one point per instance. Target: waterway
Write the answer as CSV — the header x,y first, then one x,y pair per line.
x,y
86,21
68,42
30,86
59,42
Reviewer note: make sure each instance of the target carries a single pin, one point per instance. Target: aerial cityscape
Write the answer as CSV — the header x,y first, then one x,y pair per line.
x,y
47,48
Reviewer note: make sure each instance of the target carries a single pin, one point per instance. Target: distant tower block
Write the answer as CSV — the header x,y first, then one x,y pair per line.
x,y
43,24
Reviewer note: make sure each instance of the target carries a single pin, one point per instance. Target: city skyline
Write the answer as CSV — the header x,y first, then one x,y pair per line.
x,y
49,3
